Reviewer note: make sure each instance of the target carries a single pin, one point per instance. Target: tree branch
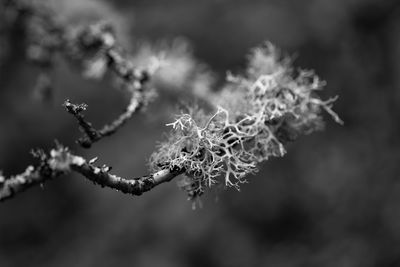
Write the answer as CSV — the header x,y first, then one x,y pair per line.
x,y
94,48
61,161
100,38
91,134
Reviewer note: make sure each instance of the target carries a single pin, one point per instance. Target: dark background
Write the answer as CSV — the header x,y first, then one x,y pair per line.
x,y
333,200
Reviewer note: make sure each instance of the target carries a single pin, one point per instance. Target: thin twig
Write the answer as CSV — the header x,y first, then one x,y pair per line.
x,y
94,48
61,161
91,134
132,79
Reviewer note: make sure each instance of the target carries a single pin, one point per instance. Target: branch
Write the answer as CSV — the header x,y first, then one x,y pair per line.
x,y
60,162
94,48
91,134
99,37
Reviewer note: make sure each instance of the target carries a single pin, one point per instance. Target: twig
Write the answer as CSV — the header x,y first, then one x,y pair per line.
x,y
61,161
91,134
94,48
100,38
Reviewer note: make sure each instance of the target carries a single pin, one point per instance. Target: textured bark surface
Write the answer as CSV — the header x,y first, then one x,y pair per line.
x,y
61,161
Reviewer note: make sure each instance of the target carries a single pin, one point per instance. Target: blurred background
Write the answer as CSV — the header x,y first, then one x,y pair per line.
x,y
333,200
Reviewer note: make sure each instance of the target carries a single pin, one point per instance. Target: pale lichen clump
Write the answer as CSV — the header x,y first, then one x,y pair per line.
x,y
257,114
177,68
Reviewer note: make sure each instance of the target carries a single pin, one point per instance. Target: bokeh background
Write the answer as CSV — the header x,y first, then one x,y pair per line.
x,y
333,200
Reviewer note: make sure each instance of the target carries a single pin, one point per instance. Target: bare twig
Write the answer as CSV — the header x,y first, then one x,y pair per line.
x,y
94,48
61,161
99,37
91,134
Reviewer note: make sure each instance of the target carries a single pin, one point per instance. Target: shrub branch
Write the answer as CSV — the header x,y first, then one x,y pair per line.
x,y
259,112
91,134
61,161
95,50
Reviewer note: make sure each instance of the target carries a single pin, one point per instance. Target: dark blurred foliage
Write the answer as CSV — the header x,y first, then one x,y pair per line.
x,y
333,200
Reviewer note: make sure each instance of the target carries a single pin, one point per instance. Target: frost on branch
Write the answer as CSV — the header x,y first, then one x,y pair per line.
x,y
258,113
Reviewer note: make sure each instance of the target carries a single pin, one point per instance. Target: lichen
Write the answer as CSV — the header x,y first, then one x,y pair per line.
x,y
256,115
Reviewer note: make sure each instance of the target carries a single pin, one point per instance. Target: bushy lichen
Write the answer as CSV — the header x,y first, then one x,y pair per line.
x,y
178,69
257,114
